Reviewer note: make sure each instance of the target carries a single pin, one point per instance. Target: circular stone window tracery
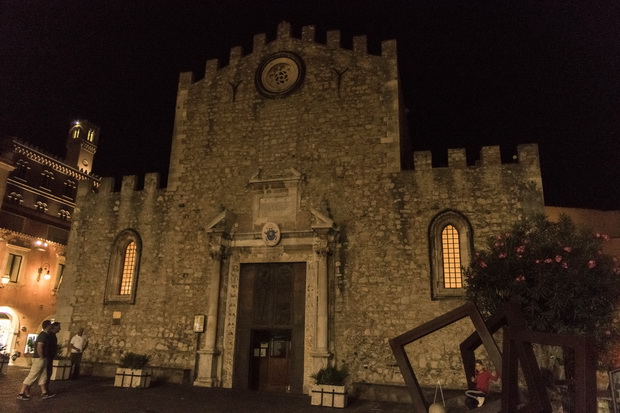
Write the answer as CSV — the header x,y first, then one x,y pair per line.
x,y
280,74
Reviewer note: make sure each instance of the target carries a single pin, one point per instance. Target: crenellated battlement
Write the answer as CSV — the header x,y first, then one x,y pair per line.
x,y
527,155
129,185
308,35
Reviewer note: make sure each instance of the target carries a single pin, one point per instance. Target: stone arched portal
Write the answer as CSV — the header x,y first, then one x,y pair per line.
x,y
308,251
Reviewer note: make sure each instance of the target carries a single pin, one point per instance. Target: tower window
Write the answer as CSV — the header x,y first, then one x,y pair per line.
x,y
451,256
129,263
124,268
91,135
450,241
76,132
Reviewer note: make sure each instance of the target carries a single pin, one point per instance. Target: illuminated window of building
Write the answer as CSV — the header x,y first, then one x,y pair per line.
x,y
13,265
21,169
46,179
450,240
91,135
124,268
129,264
452,276
76,132
16,198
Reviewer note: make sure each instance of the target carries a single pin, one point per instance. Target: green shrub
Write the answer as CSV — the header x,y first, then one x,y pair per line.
x,y
134,361
331,375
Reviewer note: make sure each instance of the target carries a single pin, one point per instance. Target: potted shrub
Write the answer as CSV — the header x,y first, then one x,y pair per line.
x,y
330,390
61,365
132,371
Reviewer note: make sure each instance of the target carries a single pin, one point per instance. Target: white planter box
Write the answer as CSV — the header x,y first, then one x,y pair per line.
x,y
328,396
61,370
133,378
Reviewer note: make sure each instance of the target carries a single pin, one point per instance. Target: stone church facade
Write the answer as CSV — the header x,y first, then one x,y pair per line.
x,y
297,228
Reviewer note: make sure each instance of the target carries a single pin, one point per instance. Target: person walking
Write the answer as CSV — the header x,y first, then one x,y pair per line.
x,y
39,366
78,345
51,351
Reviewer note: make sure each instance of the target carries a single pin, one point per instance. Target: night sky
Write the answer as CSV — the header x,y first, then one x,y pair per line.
x,y
474,73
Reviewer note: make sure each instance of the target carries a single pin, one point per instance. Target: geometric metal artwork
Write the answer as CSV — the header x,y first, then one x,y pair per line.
x,y
517,347
420,404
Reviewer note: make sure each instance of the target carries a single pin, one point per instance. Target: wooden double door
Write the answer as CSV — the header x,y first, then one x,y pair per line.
x,y
270,327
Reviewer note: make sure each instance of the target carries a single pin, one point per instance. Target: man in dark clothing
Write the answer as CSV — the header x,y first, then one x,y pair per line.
x,y
50,353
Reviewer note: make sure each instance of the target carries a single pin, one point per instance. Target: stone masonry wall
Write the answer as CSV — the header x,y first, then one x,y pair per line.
x,y
341,131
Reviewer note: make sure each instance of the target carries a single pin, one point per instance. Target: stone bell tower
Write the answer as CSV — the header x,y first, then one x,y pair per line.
x,y
82,145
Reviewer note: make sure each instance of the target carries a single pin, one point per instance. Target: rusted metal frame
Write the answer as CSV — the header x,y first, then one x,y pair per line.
x,y
398,343
585,362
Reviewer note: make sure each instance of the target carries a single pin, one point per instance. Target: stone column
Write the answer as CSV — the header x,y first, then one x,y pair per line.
x,y
208,357
321,351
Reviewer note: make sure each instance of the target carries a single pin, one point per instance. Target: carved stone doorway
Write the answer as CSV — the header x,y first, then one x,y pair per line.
x,y
270,327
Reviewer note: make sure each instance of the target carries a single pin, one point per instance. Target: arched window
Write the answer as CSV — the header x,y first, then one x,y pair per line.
x,y
46,179
16,198
124,267
21,169
450,240
70,188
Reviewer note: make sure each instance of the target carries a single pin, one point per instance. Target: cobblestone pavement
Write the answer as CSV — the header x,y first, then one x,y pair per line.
x,y
98,395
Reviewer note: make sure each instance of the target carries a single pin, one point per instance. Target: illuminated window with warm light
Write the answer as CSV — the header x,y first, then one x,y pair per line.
x,y
129,263
76,133
450,240
91,135
124,268
451,257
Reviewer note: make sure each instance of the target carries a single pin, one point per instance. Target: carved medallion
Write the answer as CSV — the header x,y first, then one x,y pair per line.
x,y
271,234
280,74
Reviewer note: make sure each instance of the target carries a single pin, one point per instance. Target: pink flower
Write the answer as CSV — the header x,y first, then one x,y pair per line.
x,y
547,260
607,332
501,255
521,249
537,261
507,235
558,258
499,237
605,237
520,278
567,249
483,264
564,265
498,244
591,264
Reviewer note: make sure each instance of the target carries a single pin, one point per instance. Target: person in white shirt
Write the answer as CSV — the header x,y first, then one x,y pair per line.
x,y
78,345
